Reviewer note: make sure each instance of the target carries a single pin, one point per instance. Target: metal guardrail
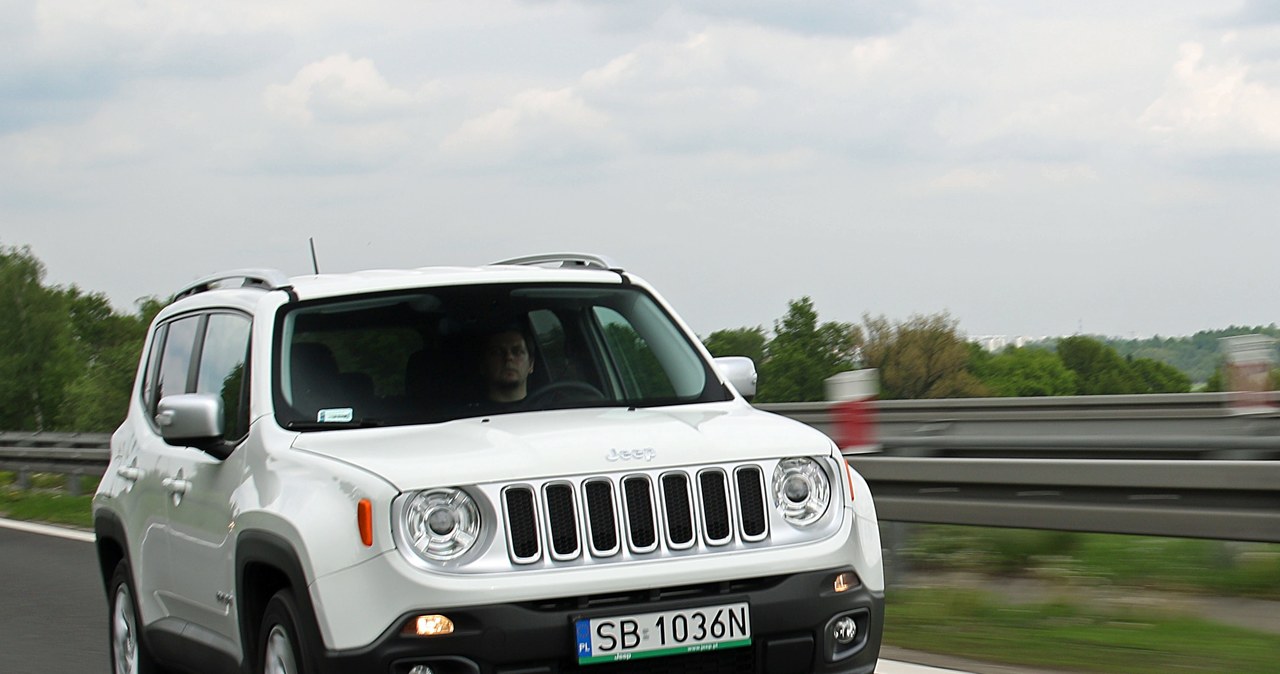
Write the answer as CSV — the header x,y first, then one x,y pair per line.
x,y
1193,465
74,454
1190,465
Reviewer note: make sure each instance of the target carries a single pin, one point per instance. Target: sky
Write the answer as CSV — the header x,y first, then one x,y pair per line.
x,y
1030,168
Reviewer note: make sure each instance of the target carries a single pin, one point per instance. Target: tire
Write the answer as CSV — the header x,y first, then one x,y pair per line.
x,y
283,648
129,654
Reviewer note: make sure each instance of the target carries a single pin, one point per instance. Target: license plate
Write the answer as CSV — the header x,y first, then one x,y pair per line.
x,y
650,635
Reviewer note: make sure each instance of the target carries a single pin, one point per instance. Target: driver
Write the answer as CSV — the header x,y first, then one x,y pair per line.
x,y
508,362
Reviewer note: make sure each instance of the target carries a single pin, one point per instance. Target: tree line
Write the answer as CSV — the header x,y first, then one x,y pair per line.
x,y
71,358
926,356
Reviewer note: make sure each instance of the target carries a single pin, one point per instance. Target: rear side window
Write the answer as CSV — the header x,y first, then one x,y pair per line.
x,y
174,375
222,369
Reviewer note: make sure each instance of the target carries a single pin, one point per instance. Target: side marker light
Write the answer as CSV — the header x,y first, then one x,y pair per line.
x,y
848,473
364,520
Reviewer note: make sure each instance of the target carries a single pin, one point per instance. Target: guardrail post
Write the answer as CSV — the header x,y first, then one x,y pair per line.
x,y
23,481
73,484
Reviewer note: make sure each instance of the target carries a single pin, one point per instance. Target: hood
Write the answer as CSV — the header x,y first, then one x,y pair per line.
x,y
533,445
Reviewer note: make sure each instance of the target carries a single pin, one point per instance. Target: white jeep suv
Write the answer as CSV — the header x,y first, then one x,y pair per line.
x,y
312,479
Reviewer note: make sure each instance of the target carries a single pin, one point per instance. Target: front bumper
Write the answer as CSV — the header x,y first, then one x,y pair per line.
x,y
792,619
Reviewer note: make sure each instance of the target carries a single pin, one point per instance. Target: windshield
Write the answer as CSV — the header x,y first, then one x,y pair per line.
x,y
444,353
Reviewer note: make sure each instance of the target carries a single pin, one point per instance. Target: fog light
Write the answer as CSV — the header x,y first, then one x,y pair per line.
x,y
844,582
845,631
431,626
421,669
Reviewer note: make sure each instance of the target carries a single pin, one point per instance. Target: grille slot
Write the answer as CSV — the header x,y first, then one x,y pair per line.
x,y
753,521
642,527
679,502
602,521
714,490
562,521
641,513
522,525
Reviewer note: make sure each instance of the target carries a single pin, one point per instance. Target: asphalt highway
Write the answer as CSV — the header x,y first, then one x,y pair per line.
x,y
53,612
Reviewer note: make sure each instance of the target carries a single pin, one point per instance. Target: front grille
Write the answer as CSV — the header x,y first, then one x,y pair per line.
x,y
641,513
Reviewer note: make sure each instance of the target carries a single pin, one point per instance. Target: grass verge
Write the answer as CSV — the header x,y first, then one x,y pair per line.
x,y
975,625
47,499
52,507
1141,562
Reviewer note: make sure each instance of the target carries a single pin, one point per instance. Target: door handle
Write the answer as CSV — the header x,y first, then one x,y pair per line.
x,y
130,473
176,485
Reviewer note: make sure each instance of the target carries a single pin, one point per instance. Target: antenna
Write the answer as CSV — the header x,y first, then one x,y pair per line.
x,y
314,265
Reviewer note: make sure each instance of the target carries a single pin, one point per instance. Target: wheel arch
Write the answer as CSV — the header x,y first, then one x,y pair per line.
x,y
111,544
265,564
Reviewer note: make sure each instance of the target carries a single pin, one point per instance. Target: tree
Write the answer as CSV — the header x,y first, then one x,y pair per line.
x,y
1157,377
108,347
749,342
1025,371
38,360
922,357
1099,369
804,353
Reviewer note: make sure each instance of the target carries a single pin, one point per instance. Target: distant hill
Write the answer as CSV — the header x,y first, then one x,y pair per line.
x,y
1197,356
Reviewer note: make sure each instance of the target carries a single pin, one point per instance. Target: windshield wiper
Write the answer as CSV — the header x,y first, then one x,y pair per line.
x,y
332,425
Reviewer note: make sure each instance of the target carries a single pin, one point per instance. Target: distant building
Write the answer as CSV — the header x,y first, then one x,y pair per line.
x,y
996,343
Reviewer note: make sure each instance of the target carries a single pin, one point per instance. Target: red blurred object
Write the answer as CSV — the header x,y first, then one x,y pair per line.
x,y
854,422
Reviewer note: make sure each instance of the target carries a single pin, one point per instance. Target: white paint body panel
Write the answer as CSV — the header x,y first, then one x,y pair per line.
x,y
304,487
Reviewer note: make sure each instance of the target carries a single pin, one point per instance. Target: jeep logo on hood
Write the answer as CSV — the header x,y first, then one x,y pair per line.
x,y
643,454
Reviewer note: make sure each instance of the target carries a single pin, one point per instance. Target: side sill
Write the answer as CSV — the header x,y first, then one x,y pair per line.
x,y
192,648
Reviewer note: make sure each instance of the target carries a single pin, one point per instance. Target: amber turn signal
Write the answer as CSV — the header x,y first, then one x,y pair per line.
x,y
364,520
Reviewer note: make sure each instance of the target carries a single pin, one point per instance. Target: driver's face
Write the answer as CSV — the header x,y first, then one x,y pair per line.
x,y
506,359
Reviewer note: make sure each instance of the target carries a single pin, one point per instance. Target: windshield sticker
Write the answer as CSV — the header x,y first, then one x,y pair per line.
x,y
340,415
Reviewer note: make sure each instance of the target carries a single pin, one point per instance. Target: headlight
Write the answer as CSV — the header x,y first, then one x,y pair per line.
x,y
440,524
801,491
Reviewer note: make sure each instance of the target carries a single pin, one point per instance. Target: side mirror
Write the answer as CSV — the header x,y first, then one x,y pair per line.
x,y
741,373
192,420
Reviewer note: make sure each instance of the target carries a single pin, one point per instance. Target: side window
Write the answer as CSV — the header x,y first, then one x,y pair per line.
x,y
175,360
642,374
149,384
549,334
222,369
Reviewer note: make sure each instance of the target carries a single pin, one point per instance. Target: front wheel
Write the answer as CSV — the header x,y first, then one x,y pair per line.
x,y
129,654
281,646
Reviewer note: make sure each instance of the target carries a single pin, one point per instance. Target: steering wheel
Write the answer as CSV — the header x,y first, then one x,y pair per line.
x,y
564,391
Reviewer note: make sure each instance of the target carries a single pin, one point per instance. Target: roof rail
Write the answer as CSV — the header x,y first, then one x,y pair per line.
x,y
565,260
266,279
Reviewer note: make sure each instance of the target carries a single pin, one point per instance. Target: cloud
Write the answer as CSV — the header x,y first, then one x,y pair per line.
x,y
806,17
340,115
538,124
816,17
65,58
340,90
1256,13
1215,106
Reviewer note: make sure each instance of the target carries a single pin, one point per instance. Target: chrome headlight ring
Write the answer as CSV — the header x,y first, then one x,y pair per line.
x,y
440,525
801,491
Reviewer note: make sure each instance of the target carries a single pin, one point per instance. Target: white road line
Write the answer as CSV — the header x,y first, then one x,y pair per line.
x,y
48,530
892,667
